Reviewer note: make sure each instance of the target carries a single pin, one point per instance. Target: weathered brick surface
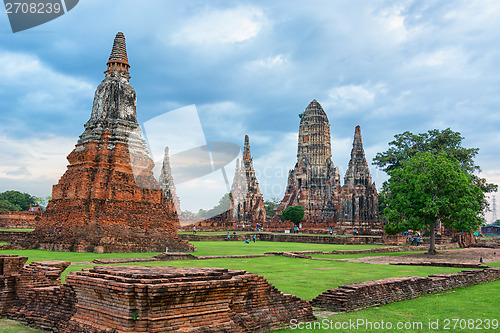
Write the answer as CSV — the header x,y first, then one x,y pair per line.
x,y
161,299
314,182
282,237
143,299
247,203
373,293
108,199
34,293
19,219
358,206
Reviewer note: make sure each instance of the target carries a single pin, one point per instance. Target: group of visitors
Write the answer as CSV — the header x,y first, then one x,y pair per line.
x,y
415,239
247,240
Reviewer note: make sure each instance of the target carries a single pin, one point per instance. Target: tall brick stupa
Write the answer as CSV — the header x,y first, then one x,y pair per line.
x,y
108,199
358,197
314,182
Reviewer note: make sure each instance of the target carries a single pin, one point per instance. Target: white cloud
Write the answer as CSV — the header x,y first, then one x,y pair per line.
x,y
34,158
351,97
40,87
221,26
272,168
225,119
268,63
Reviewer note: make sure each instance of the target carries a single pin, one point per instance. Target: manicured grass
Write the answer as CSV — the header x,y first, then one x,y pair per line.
x,y
361,255
203,249
41,255
12,326
307,278
17,229
476,302
233,247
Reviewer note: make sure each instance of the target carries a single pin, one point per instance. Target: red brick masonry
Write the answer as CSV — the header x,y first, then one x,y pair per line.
x,y
144,299
373,293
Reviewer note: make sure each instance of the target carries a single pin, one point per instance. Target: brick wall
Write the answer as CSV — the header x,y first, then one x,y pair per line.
x,y
18,219
150,299
143,299
373,293
298,238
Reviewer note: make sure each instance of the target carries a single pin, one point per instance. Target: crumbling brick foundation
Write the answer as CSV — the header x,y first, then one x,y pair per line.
x,y
143,299
373,293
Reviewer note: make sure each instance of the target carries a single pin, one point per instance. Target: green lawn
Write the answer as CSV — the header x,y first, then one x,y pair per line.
x,y
361,255
12,326
478,302
40,255
307,278
203,249
17,229
233,247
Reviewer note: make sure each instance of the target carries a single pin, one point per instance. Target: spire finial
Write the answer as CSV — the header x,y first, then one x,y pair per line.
x,y
118,61
246,149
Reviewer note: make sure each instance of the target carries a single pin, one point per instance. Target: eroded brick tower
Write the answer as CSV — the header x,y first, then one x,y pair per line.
x,y
167,184
314,182
108,200
358,196
247,203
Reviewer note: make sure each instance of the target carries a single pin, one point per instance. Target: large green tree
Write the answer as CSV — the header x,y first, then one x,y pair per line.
x,y
23,200
271,206
6,206
436,142
294,214
428,188
223,205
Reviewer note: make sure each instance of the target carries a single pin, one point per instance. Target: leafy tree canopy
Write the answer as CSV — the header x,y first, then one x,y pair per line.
x,y
43,201
430,187
448,142
23,200
294,214
497,222
223,205
271,206
6,206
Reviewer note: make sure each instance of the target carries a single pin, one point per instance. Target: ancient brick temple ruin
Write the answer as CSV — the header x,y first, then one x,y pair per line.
x,y
108,199
314,183
143,299
247,203
167,184
358,197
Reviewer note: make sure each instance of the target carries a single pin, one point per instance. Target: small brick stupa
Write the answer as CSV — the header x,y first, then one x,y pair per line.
x,y
246,200
108,199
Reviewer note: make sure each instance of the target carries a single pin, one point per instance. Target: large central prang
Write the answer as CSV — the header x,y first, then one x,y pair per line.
x,y
108,199
314,182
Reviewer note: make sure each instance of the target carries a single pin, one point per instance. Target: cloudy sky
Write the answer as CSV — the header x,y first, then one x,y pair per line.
x,y
250,67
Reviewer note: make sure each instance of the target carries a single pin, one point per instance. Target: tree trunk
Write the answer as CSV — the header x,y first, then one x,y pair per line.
x,y
432,245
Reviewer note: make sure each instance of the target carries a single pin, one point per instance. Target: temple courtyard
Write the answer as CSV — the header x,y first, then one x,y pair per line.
x,y
307,270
